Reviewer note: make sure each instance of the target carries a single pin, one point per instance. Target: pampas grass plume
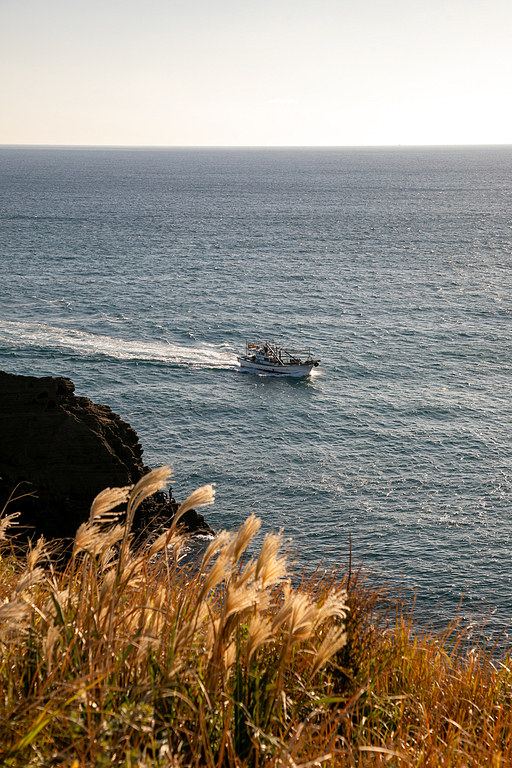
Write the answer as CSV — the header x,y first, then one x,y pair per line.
x,y
108,500
118,659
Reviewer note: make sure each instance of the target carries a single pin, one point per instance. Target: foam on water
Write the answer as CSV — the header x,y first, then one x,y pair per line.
x,y
41,336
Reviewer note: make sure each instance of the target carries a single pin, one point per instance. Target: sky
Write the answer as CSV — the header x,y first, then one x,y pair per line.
x,y
255,72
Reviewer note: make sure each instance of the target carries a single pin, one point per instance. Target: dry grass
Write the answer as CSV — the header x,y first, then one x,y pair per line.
x,y
134,658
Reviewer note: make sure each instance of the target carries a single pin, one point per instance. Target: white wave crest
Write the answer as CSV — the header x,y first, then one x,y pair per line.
x,y
66,340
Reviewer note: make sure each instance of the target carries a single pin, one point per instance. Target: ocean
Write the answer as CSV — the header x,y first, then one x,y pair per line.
x,y
140,273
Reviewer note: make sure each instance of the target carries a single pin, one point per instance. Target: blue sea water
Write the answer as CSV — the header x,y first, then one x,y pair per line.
x,y
139,274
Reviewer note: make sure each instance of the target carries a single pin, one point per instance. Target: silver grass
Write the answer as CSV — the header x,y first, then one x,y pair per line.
x,y
243,537
110,537
106,593
194,625
132,622
201,497
159,598
270,567
246,579
218,543
28,579
148,485
240,600
167,540
49,642
132,574
274,571
247,575
93,539
334,641
37,553
299,613
185,635
64,598
108,500
7,522
16,610
229,656
86,535
212,632
216,574
333,606
260,632
107,556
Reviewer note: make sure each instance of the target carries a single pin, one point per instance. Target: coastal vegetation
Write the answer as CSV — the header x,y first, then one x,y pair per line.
x,y
130,654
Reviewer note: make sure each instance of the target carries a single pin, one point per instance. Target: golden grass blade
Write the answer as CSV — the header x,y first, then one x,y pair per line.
x,y
37,553
148,485
218,543
49,643
216,574
167,540
6,522
229,656
28,579
108,500
335,640
17,610
201,497
299,613
243,537
260,632
239,601
93,539
334,605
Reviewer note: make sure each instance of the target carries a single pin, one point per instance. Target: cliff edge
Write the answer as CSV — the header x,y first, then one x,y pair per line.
x,y
65,450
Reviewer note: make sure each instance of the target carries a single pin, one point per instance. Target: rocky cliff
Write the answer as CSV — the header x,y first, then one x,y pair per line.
x,y
64,450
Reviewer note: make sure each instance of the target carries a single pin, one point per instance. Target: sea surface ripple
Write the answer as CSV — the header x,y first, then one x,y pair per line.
x,y
139,274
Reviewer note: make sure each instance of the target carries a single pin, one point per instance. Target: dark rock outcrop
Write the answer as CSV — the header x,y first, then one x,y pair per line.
x,y
65,450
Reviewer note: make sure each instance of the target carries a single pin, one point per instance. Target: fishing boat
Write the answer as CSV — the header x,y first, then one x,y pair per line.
x,y
267,357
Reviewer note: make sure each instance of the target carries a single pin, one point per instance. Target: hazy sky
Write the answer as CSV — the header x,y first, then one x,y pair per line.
x,y
255,72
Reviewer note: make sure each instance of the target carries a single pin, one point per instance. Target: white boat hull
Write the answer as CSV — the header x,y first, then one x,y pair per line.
x,y
304,369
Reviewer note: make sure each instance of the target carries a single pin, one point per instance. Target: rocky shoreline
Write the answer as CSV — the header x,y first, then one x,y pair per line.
x,y
58,451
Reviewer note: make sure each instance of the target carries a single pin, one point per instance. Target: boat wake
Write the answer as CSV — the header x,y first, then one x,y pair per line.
x,y
18,336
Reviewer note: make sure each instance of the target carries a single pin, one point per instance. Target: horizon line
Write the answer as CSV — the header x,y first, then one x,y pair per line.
x,y
248,146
